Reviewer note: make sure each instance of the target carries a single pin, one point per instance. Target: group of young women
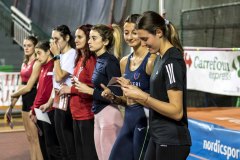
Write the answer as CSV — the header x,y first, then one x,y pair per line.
x,y
71,85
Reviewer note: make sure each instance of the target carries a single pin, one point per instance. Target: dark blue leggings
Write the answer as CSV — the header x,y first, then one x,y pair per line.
x,y
132,140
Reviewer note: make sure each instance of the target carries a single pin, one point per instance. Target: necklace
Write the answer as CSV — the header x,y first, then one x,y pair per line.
x,y
135,60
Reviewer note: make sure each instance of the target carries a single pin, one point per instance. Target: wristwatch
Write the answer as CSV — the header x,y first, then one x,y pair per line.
x,y
56,57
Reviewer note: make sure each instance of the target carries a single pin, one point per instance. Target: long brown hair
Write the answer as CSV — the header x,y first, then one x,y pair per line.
x,y
87,53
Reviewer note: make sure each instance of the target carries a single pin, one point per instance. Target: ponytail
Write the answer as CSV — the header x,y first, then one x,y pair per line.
x,y
172,36
117,35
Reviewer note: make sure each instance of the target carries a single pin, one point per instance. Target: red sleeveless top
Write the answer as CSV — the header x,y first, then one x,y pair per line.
x,y
26,71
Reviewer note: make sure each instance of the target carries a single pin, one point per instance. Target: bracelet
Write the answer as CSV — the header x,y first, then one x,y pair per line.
x,y
145,101
56,57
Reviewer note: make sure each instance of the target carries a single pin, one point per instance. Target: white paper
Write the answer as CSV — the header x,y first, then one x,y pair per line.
x,y
42,116
113,82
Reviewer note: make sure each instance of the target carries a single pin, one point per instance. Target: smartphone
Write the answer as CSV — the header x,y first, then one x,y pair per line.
x,y
113,82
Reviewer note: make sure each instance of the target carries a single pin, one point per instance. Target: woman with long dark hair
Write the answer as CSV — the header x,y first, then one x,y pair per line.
x,y
64,53
169,134
81,103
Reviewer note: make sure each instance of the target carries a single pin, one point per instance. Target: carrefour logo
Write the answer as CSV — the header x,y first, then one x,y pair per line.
x,y
213,64
236,65
188,60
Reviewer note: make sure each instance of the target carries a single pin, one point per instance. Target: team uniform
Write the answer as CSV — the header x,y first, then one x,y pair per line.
x,y
48,141
108,118
27,102
81,109
63,119
133,137
28,98
170,139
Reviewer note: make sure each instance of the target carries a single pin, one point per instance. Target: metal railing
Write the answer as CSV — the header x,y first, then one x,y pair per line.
x,y
14,23
22,25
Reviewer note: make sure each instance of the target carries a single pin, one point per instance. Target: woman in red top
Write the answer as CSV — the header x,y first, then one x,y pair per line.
x,y
29,73
48,140
81,103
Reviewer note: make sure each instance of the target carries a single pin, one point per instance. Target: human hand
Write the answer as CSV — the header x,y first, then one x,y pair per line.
x,y
74,79
13,101
123,81
64,89
55,48
32,117
8,117
106,93
82,87
44,107
134,93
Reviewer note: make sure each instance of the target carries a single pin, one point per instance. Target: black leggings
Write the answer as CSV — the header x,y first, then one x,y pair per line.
x,y
64,131
166,152
84,139
48,141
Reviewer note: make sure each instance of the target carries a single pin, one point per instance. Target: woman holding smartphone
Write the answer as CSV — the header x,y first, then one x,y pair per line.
x,y
108,118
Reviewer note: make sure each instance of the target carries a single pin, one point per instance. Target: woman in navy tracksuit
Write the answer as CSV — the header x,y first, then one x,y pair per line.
x,y
108,118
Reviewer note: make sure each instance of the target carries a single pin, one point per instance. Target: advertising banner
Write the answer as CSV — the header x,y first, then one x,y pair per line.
x,y
213,142
213,70
8,84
